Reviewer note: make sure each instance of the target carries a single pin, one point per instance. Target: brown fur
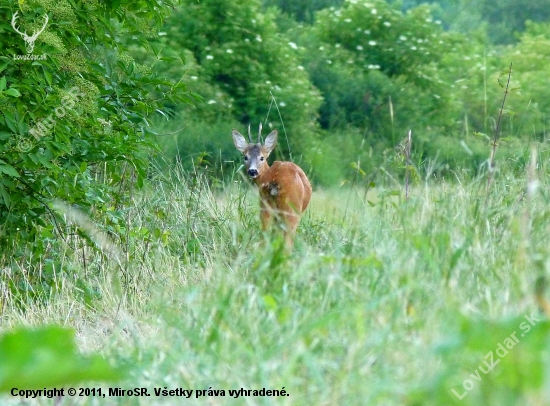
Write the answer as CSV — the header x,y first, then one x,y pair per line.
x,y
285,190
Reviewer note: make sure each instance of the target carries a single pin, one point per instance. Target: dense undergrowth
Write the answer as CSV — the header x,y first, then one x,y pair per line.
x,y
353,316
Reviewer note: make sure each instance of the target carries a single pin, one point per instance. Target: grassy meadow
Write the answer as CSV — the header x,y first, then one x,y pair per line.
x,y
354,316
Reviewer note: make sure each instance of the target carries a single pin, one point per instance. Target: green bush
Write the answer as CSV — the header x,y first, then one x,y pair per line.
x,y
47,357
74,125
255,70
378,70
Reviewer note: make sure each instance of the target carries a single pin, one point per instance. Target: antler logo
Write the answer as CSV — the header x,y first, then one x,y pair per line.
x,y
32,38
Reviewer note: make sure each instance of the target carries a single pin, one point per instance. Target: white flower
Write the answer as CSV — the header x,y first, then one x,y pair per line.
x,y
300,67
258,38
373,11
348,20
211,101
193,77
209,57
321,48
282,104
387,23
337,46
229,51
372,43
103,122
402,38
367,32
293,45
413,48
359,47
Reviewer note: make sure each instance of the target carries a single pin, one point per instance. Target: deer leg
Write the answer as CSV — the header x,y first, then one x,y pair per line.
x,y
291,220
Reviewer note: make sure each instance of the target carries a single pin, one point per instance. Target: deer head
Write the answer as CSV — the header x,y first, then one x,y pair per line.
x,y
255,154
29,39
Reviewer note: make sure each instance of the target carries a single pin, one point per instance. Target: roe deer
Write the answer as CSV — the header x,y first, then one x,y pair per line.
x,y
284,188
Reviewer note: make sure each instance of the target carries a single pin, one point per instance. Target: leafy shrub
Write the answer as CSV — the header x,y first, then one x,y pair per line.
x,y
490,363
254,69
47,357
74,126
377,69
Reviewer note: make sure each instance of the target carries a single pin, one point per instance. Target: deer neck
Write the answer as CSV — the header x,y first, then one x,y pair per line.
x,y
264,175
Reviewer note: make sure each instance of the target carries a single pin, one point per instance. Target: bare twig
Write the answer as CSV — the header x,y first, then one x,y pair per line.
x,y
495,139
408,164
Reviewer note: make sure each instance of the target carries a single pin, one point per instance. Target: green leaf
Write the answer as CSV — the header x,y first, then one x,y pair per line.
x,y
48,77
9,170
48,357
12,92
270,302
10,121
5,195
478,134
2,83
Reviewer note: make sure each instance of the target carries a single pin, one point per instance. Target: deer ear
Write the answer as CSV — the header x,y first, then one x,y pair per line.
x,y
271,141
239,141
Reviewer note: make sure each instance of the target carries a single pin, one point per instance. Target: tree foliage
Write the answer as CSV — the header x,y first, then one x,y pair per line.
x,y
74,123
240,50
370,55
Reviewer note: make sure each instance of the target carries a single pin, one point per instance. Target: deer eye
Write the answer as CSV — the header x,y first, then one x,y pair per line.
x,y
262,158
245,158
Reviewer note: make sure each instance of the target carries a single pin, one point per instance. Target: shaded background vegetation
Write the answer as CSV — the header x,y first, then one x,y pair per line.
x,y
351,78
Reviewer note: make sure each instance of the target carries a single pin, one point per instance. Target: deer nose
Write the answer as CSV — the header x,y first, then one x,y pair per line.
x,y
252,173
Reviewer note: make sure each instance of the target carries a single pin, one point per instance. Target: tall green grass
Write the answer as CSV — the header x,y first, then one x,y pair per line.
x,y
202,299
